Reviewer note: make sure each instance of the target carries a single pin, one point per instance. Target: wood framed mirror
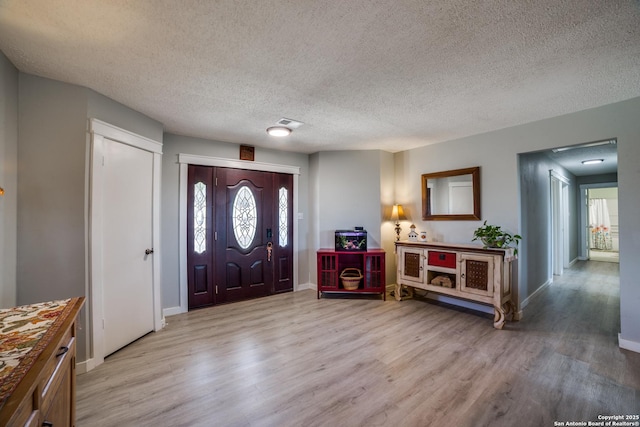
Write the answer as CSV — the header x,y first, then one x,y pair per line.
x,y
452,195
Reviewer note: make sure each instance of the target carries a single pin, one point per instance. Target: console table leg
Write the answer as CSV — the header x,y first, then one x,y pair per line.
x,y
510,310
498,317
398,292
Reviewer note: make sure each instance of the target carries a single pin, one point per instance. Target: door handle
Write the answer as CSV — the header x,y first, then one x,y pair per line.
x,y
269,249
148,251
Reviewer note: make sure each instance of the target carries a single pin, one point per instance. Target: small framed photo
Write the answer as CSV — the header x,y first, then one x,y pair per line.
x,y
247,152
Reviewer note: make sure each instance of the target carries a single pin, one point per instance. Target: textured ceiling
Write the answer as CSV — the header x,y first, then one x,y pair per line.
x,y
362,74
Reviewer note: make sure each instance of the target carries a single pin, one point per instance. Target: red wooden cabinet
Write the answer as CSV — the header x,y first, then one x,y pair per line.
x,y
332,263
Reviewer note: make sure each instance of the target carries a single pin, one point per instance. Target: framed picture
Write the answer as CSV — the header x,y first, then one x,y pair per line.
x,y
247,152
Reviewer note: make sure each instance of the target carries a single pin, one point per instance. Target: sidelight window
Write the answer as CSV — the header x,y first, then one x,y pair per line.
x,y
200,217
244,217
283,219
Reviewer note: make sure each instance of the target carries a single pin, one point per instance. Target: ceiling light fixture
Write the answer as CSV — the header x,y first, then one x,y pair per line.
x,y
278,131
592,161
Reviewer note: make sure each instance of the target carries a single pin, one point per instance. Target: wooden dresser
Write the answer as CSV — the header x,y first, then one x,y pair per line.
x,y
468,272
38,355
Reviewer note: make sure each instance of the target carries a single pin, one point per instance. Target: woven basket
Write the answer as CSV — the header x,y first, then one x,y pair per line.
x,y
351,278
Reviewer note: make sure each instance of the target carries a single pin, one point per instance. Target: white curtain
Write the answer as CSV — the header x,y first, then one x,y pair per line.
x,y
600,224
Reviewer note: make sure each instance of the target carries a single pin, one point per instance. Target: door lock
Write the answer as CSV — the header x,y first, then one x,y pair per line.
x,y
148,251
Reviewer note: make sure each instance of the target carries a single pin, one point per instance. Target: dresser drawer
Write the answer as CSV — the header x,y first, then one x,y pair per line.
x,y
442,259
55,371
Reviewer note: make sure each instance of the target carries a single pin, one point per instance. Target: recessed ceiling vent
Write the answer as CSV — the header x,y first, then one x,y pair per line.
x,y
290,123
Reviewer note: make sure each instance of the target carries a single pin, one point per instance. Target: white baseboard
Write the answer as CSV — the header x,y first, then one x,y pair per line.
x,y
628,345
583,258
305,286
524,303
172,311
573,262
84,367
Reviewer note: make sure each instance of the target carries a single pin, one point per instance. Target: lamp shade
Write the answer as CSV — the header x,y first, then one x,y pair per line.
x,y
397,214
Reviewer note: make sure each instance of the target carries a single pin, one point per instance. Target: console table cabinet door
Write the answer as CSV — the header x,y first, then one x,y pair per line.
x,y
476,274
411,268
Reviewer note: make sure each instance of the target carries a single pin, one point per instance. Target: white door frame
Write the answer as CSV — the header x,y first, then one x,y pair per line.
x,y
189,159
559,222
98,131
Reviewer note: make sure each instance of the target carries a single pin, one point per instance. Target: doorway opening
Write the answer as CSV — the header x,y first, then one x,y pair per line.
x,y
601,239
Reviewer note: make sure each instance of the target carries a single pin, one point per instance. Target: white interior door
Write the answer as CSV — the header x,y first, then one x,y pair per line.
x,y
127,233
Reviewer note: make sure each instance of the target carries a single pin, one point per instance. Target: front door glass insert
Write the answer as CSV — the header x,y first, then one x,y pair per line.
x,y
244,217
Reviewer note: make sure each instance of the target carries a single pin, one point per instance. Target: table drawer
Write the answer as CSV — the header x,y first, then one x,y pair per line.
x,y
442,259
55,369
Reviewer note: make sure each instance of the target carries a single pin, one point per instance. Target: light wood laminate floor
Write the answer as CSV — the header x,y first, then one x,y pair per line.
x,y
293,360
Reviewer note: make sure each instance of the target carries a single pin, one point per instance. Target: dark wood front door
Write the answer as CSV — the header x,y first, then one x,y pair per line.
x,y
248,231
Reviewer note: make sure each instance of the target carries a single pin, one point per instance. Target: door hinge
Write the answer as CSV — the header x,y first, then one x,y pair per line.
x,y
216,289
102,160
215,235
216,181
102,323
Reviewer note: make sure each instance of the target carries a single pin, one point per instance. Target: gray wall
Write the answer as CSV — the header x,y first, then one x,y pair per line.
x,y
176,144
387,228
53,186
535,195
348,192
8,181
106,109
496,153
51,190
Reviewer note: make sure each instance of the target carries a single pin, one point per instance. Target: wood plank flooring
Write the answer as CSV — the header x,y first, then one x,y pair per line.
x,y
293,360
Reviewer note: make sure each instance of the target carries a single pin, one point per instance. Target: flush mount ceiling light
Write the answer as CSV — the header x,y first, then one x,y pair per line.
x,y
278,131
592,161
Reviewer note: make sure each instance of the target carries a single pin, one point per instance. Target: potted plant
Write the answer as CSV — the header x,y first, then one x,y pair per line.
x,y
492,236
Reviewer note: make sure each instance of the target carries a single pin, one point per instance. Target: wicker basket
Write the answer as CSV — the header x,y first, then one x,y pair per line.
x,y
351,278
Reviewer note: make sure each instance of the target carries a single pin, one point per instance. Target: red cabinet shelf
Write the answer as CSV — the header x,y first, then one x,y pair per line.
x,y
332,263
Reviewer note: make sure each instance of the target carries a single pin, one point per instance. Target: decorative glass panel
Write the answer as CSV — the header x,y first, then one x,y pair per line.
x,y
200,217
244,217
283,219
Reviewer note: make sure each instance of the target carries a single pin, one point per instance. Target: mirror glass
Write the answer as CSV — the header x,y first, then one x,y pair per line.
x,y
451,195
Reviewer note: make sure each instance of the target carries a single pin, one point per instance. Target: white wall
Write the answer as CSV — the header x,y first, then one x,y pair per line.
x,y
8,181
496,153
176,144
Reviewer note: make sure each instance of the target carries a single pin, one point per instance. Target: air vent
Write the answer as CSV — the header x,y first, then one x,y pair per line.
x,y
291,124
